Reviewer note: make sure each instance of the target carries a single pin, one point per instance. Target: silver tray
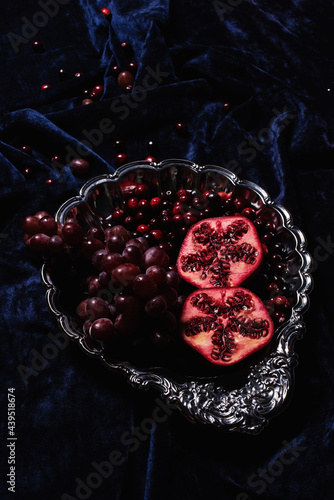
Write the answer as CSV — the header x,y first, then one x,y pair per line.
x,y
218,400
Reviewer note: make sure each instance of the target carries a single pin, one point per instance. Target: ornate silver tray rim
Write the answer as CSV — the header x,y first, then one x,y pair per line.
x,y
269,382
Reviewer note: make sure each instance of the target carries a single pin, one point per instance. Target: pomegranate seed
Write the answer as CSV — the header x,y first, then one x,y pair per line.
x,y
249,213
181,128
158,235
78,75
239,205
120,146
79,167
127,47
273,288
37,45
132,204
85,102
28,172
270,226
26,149
106,12
50,181
144,205
128,89
130,222
189,218
120,159
151,159
143,228
142,191
45,87
226,106
178,219
115,70
152,146
133,66
118,215
62,74
97,92
56,159
156,203
140,217
278,317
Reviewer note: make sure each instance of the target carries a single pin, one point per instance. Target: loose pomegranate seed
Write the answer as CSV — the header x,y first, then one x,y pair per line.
x,y
158,235
142,191
119,146
273,288
181,128
45,86
189,218
37,45
115,70
132,204
78,75
178,219
97,92
226,106
151,159
106,12
85,102
49,181
130,222
156,203
118,215
249,213
79,167
278,317
133,66
62,74
152,146
127,47
144,205
26,149
143,228
120,158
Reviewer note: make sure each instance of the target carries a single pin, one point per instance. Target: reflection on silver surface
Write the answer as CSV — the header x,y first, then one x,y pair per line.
x,y
247,408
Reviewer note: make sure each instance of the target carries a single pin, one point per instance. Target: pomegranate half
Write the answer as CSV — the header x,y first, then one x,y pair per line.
x,y
220,252
225,325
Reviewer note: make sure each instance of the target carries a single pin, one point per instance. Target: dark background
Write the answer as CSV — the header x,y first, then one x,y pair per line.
x,y
258,56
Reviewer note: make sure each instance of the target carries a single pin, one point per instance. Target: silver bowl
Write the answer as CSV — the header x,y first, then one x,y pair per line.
x,y
226,399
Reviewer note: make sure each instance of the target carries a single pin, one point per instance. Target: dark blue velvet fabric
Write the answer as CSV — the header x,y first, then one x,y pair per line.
x,y
273,61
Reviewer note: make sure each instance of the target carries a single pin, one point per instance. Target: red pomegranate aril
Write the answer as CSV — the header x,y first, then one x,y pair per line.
x,y
158,235
271,227
275,258
102,330
110,261
142,191
97,92
151,159
95,233
178,219
26,149
183,231
250,213
89,247
46,86
144,206
239,205
272,288
30,225
121,158
38,243
115,70
132,204
279,268
280,302
278,317
167,222
157,274
143,228
106,12
156,203
133,66
80,167
189,218
55,245
133,254
181,128
118,215
125,274
96,308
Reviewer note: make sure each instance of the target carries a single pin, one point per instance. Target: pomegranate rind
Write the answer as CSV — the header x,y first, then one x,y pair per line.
x,y
229,260
208,318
